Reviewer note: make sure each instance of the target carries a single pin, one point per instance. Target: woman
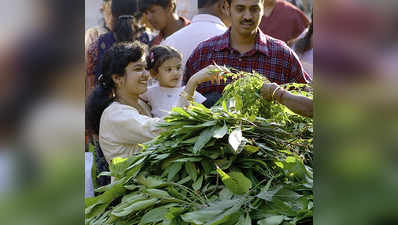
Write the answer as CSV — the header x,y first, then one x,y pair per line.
x,y
124,27
93,33
114,110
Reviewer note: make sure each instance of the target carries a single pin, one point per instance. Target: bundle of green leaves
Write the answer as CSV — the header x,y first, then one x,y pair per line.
x,y
223,165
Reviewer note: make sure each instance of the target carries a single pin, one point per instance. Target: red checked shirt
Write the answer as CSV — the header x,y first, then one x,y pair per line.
x,y
269,57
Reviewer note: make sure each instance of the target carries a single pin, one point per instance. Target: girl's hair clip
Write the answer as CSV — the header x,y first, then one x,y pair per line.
x,y
101,80
126,17
151,57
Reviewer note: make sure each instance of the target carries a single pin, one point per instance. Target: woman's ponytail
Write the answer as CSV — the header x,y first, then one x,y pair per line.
x,y
123,28
99,99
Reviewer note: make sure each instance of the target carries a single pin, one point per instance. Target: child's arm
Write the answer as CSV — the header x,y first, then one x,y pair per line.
x,y
201,76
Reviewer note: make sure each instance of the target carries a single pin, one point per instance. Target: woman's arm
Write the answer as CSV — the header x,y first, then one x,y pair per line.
x,y
299,104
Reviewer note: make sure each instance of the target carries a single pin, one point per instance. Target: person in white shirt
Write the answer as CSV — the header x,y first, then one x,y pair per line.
x,y
114,110
164,64
212,20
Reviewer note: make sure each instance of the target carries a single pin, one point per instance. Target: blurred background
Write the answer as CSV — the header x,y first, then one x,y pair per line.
x,y
42,111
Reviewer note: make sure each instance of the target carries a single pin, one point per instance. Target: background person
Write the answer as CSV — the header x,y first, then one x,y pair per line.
x,y
162,15
93,33
211,21
283,20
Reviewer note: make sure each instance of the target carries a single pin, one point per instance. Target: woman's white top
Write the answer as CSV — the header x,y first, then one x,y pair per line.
x,y
123,128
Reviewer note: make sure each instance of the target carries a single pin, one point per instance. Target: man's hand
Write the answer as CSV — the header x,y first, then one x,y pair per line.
x,y
267,89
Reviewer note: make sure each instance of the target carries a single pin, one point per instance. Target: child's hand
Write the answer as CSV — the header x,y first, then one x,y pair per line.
x,y
206,74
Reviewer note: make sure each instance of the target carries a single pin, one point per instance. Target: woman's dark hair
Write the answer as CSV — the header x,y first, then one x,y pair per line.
x,y
304,44
159,54
145,4
124,13
115,61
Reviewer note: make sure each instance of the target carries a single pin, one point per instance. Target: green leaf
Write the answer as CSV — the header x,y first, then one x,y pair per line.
x,y
220,132
280,164
173,170
235,139
184,180
290,159
180,111
105,173
236,182
203,139
101,202
189,159
207,166
198,183
238,103
157,193
244,220
225,194
151,181
228,217
212,213
154,215
251,149
133,197
272,220
191,170
269,194
137,206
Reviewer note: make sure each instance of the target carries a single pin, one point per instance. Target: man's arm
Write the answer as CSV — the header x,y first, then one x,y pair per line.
x,y
298,104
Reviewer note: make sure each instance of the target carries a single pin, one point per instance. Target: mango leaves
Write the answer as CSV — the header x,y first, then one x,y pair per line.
x,y
244,161
217,213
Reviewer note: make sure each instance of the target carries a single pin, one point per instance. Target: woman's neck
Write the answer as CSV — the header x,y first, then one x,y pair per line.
x,y
174,25
130,100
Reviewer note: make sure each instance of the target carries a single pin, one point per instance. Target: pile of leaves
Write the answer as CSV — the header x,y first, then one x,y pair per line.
x,y
223,165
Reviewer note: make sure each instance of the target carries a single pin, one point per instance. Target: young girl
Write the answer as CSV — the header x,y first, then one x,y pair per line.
x,y
164,64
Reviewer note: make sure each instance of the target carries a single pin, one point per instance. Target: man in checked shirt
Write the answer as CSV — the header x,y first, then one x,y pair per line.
x,y
244,47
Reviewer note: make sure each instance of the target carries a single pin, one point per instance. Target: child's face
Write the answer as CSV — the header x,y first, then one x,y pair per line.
x,y
157,16
169,73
